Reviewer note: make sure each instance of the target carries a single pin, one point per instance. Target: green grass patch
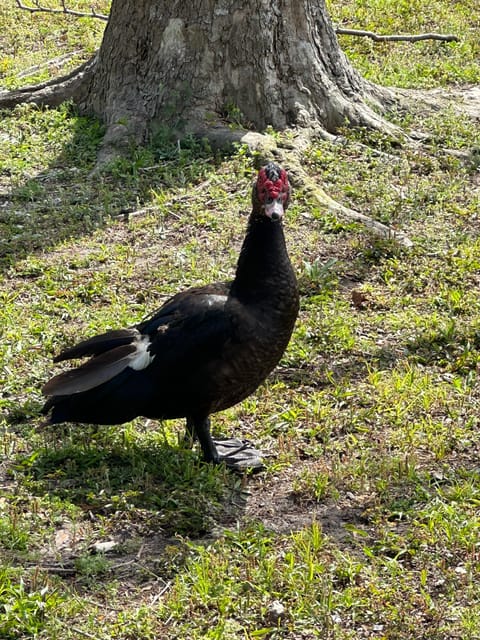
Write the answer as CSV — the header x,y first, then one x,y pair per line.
x,y
39,46
424,64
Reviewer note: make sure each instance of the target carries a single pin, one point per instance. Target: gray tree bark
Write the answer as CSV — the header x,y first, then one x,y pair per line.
x,y
182,65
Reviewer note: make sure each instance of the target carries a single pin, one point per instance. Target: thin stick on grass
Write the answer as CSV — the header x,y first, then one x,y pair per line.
x,y
444,37
65,10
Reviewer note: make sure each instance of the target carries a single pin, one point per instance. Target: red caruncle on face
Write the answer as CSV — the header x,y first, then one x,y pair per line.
x,y
271,188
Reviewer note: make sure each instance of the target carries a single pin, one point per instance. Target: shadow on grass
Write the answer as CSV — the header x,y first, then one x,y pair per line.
x,y
452,346
38,212
68,199
320,372
107,471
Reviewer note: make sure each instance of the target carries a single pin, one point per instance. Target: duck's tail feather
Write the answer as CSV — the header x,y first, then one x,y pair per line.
x,y
99,344
93,373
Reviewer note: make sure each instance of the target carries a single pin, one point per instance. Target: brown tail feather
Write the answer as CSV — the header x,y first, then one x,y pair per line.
x,y
93,373
99,344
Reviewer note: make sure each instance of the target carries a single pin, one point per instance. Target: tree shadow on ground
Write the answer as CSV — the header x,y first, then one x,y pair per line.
x,y
69,199
59,202
323,371
452,346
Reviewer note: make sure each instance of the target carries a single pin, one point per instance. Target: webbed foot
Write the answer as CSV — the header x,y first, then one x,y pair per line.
x,y
238,455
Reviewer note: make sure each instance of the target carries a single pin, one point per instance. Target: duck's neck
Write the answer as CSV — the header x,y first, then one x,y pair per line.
x,y
263,268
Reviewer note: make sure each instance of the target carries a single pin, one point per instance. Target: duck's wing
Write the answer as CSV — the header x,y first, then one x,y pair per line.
x,y
189,303
99,344
193,325
190,326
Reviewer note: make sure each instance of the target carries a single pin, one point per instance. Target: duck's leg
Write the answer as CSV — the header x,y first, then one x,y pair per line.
x,y
199,428
234,453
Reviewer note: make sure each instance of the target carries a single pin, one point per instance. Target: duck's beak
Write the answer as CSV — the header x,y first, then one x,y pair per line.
x,y
274,210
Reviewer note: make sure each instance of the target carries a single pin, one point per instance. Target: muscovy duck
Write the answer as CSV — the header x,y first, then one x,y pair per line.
x,y
206,349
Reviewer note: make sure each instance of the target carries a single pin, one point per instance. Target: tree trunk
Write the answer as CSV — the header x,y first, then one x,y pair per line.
x,y
185,65
189,66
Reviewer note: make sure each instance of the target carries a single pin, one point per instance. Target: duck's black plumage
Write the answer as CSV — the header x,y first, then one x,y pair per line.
x,y
204,350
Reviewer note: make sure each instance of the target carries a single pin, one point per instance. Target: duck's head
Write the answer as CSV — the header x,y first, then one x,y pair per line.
x,y
271,191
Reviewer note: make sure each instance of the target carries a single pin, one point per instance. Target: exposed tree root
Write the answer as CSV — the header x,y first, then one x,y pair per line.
x,y
118,137
53,92
267,148
379,229
56,63
465,100
318,195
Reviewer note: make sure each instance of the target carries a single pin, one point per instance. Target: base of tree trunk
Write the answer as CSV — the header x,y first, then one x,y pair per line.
x,y
186,66
121,135
118,138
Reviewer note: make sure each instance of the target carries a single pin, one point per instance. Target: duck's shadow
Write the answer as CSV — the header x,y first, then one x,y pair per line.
x,y
105,472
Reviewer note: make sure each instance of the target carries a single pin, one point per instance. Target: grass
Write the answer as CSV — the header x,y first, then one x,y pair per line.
x,y
365,522
425,64
39,46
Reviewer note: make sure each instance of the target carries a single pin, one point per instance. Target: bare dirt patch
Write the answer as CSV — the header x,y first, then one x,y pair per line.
x,y
275,504
465,100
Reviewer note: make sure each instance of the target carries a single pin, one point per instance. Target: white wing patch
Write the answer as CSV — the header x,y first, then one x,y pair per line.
x,y
142,356
213,298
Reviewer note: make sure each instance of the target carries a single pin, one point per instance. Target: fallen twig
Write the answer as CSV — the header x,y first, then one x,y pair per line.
x,y
71,12
66,569
444,37
54,62
163,590
80,632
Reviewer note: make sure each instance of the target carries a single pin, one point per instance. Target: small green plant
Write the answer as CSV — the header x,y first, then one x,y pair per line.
x,y
92,566
233,115
13,534
321,273
24,611
313,485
